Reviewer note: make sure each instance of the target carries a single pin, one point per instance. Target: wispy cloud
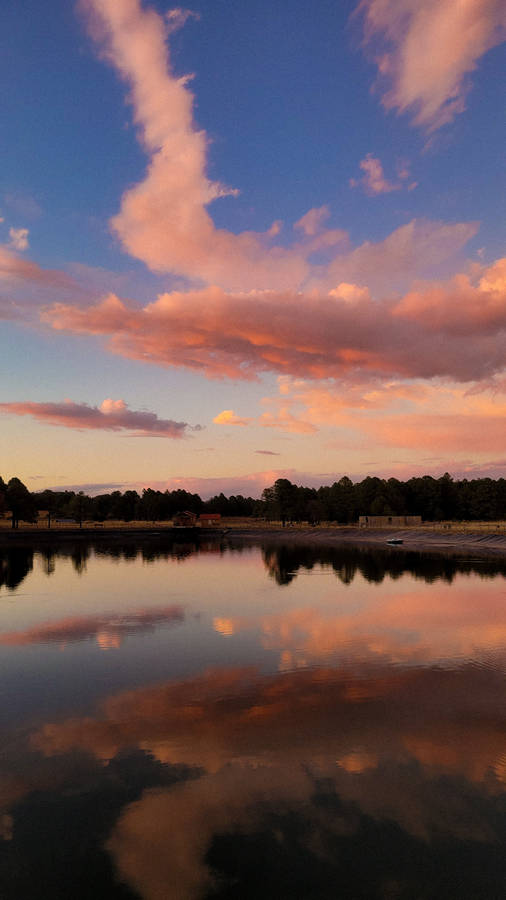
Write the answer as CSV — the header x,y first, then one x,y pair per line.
x,y
14,268
430,49
111,415
18,238
23,205
374,181
26,286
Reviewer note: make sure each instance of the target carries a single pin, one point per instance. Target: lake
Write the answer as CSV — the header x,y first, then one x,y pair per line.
x,y
257,721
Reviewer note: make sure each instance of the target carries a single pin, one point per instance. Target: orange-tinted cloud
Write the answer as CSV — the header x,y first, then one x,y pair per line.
x,y
430,49
438,415
108,630
111,415
228,417
317,335
473,433
460,307
284,420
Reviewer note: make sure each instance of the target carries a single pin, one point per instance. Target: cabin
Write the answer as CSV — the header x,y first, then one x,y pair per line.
x,y
186,519
389,521
209,519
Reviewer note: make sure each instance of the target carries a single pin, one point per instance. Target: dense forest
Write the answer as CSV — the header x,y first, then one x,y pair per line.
x,y
434,499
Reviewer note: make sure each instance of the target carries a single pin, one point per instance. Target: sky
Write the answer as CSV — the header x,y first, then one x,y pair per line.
x,y
243,241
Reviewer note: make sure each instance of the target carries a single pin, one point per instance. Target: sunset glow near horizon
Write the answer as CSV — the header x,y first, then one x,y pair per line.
x,y
240,242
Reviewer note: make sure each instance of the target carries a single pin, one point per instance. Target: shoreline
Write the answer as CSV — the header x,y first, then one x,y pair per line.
x,y
420,540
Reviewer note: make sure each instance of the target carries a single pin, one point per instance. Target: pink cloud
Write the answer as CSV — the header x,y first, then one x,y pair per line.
x,y
14,268
418,249
164,220
25,285
430,49
18,238
459,468
248,484
286,421
373,180
312,222
450,329
112,415
472,433
408,414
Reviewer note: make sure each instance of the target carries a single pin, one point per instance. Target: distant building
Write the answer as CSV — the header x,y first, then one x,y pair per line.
x,y
185,518
389,521
210,518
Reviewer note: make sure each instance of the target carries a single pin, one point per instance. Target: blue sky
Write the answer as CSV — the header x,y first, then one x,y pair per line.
x,y
295,119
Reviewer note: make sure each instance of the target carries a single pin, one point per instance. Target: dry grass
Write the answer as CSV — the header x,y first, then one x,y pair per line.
x,y
240,523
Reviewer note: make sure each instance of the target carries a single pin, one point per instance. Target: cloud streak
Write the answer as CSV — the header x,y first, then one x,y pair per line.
x,y
430,48
111,415
164,219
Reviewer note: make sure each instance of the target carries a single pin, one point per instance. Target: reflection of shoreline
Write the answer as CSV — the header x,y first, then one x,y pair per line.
x,y
284,561
16,561
285,554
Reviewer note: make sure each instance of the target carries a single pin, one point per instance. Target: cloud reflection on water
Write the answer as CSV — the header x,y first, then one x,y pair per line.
x,y
381,738
108,630
422,747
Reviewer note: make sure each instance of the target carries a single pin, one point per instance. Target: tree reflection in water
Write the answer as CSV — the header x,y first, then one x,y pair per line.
x,y
15,565
283,562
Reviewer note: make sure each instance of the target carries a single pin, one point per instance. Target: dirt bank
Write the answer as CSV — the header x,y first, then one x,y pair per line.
x,y
412,539
479,543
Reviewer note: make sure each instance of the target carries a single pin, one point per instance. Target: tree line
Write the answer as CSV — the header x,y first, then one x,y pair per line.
x,y
434,499
148,506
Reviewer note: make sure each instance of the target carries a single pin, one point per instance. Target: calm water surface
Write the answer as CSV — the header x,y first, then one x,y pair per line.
x,y
255,722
